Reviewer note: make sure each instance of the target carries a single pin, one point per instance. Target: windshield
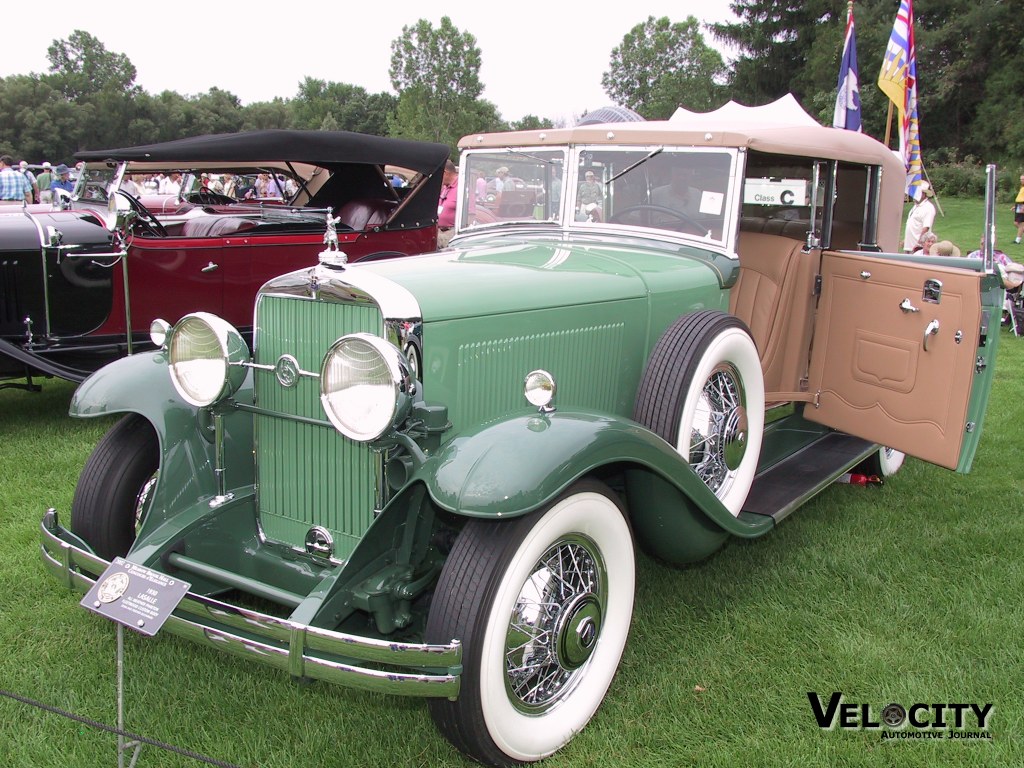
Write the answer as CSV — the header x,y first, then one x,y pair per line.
x,y
675,189
94,183
511,185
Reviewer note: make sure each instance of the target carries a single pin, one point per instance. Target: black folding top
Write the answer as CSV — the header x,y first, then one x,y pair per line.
x,y
324,148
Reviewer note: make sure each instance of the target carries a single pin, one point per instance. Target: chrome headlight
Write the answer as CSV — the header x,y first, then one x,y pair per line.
x,y
206,357
365,386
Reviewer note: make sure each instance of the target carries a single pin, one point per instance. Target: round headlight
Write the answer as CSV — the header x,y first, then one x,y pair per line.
x,y
365,386
206,355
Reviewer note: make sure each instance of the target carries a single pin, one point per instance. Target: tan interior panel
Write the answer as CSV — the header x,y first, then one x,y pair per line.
x,y
773,297
889,362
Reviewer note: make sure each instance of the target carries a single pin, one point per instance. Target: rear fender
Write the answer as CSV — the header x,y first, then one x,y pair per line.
x,y
509,468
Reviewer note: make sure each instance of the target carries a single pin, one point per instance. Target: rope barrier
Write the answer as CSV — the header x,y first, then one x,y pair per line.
x,y
117,731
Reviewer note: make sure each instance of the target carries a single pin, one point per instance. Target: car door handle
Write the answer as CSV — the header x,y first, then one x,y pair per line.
x,y
930,330
211,267
906,306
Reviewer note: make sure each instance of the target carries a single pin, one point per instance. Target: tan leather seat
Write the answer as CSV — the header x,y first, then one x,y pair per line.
x,y
773,297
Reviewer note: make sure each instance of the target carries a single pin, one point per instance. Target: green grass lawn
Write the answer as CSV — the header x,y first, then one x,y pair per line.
x,y
910,592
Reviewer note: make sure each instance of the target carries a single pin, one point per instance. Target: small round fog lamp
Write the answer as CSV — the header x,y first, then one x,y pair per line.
x,y
158,331
539,388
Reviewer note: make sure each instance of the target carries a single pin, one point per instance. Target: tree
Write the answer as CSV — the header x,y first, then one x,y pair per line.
x,y
531,123
264,115
82,67
968,66
348,107
660,66
38,122
436,73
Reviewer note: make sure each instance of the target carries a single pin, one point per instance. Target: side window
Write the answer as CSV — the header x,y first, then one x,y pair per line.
x,y
790,196
779,196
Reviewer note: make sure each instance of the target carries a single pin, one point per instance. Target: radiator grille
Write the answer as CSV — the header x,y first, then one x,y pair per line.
x,y
309,474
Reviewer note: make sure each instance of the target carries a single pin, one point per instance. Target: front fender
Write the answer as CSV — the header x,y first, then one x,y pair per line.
x,y
141,384
511,467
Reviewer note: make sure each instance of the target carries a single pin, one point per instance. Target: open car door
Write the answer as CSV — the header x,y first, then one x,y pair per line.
x,y
903,354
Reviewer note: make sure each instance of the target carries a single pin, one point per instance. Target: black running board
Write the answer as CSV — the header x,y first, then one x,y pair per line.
x,y
781,489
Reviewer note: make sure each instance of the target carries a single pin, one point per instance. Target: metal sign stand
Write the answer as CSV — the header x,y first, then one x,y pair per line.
x,y
132,595
122,745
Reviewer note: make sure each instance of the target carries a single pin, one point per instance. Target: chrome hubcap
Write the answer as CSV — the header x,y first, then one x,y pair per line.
x,y
555,624
718,437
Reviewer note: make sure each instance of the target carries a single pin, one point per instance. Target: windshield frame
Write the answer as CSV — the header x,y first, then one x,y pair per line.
x,y
616,167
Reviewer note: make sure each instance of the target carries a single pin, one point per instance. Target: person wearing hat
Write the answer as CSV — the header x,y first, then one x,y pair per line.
x,y
61,180
23,167
14,187
43,180
920,219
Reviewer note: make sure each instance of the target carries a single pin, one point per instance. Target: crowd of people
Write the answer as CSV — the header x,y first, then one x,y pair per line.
x,y
19,185
919,236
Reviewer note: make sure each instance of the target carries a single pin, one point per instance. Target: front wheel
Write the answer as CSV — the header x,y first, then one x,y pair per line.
x,y
114,489
542,605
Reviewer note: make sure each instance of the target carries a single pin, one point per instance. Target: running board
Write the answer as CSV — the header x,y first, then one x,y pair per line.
x,y
781,489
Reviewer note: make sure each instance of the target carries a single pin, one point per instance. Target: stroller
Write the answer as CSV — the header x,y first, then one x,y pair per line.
x,y
1013,303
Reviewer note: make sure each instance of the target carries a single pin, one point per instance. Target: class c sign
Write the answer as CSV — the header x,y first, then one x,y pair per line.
x,y
770,192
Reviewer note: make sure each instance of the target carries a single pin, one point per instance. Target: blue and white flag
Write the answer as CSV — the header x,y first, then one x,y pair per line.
x,y
847,114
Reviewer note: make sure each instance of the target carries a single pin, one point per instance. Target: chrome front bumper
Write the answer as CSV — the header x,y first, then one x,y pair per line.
x,y
406,669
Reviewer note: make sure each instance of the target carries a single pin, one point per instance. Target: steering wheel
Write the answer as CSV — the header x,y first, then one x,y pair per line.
x,y
646,216
207,196
145,217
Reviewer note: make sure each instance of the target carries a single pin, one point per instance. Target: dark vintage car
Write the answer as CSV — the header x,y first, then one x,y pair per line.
x,y
735,332
75,279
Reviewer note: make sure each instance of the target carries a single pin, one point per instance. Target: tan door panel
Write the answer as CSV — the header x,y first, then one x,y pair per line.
x,y
889,364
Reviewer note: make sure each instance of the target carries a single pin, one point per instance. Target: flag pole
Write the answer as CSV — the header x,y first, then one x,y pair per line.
x,y
888,125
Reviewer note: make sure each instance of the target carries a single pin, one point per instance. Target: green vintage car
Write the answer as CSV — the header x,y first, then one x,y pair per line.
x,y
431,476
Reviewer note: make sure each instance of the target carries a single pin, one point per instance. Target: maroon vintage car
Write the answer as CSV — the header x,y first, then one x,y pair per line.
x,y
74,280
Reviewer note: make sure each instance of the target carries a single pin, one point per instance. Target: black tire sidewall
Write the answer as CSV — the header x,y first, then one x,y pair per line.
x,y
103,509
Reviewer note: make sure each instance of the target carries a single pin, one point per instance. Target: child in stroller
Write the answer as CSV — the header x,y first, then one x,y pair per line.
x,y
1012,275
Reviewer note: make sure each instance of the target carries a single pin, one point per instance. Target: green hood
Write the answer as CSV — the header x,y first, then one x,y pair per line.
x,y
515,275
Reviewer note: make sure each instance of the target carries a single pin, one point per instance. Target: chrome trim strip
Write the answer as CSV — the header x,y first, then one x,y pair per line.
x,y
430,670
355,283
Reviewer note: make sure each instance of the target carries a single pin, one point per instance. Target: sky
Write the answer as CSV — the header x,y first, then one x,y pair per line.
x,y
539,59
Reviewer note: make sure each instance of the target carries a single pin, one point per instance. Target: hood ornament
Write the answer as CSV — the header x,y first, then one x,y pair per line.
x,y
332,255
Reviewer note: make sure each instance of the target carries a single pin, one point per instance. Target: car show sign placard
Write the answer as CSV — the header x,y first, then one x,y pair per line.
x,y
791,192
135,596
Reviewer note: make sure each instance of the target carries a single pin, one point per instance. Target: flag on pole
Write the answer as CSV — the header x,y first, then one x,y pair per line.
x,y
898,81
847,114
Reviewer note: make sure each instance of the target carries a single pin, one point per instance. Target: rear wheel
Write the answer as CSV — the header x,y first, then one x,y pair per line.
x,y
884,463
703,392
114,489
542,605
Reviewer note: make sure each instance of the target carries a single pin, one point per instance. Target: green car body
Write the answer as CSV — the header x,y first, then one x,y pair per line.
x,y
353,539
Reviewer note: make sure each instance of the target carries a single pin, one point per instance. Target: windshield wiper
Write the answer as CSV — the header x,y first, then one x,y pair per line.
x,y
641,161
